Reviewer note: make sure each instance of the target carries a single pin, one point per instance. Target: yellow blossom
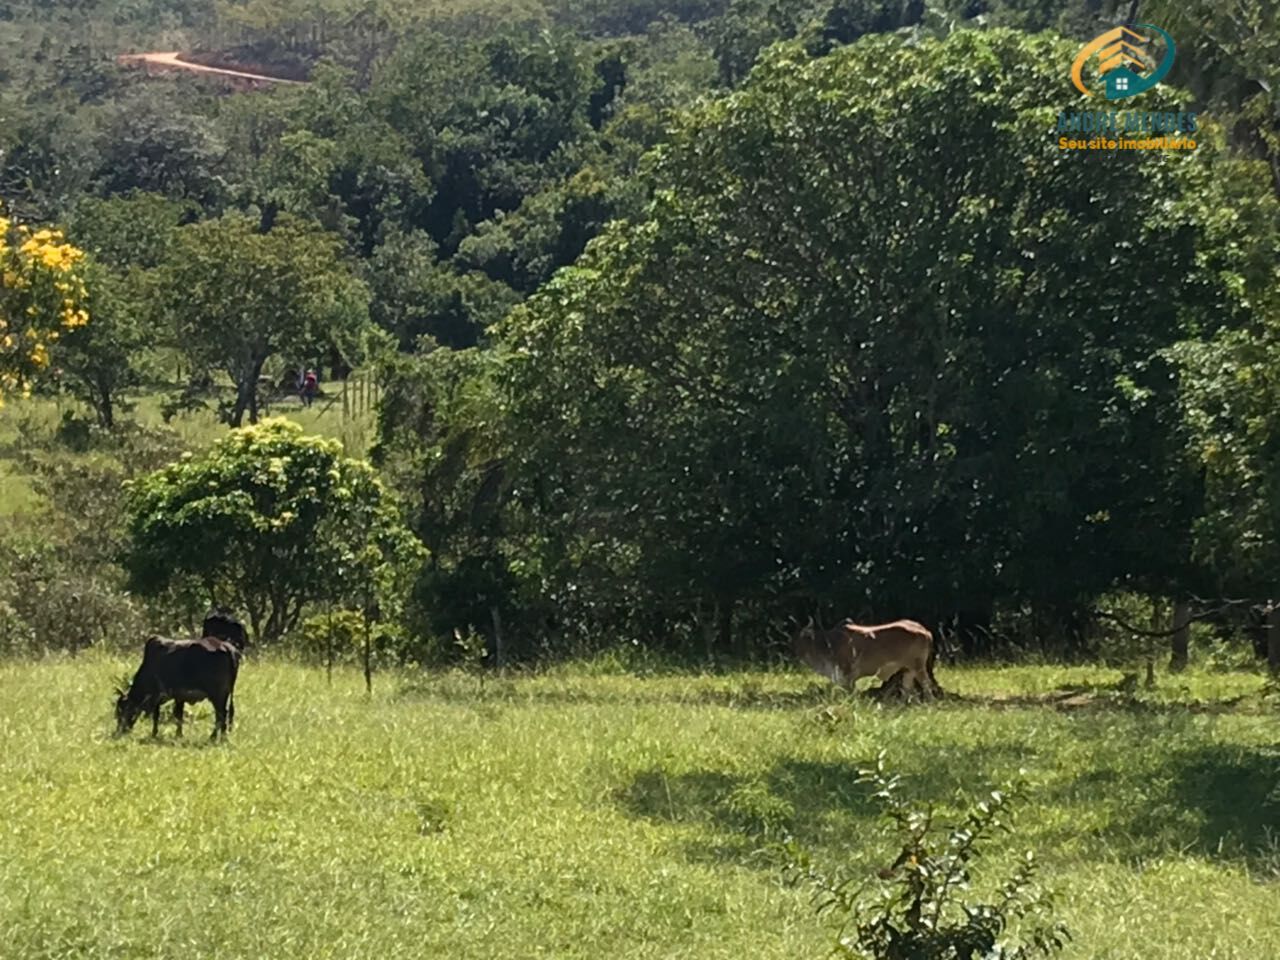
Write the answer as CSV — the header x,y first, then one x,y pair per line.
x,y
40,285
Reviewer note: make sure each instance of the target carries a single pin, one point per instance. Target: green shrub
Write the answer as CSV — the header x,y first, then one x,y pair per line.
x,y
921,907
338,637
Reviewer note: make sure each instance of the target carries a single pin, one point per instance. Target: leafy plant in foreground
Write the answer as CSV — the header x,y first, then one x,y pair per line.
x,y
916,908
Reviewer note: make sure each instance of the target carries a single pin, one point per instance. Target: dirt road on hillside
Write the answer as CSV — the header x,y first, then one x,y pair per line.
x,y
159,62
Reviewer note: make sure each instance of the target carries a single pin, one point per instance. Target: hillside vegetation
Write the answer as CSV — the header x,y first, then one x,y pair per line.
x,y
685,324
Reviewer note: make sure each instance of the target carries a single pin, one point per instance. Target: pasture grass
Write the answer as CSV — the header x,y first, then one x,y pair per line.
x,y
36,419
324,418
585,812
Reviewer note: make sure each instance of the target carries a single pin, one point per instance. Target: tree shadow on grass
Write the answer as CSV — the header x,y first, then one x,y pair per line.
x,y
745,696
1099,698
820,804
740,813
187,742
751,695
1220,802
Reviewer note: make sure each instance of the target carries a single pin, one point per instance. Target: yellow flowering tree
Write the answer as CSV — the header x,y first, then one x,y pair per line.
x,y
42,294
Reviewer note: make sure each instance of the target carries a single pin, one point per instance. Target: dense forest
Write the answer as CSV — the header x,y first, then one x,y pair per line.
x,y
689,319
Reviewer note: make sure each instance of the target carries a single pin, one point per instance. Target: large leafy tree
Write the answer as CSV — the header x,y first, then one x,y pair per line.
x,y
149,142
237,296
268,521
126,238
339,164
437,446
99,361
490,121
1229,56
1230,398
880,343
422,300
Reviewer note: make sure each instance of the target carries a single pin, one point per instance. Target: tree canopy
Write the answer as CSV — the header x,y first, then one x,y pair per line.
x,y
268,521
878,343
691,316
237,295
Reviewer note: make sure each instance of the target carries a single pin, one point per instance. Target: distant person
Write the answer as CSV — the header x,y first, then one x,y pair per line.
x,y
310,385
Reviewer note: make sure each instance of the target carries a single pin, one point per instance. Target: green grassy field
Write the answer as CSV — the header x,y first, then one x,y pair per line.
x,y
38,419
589,813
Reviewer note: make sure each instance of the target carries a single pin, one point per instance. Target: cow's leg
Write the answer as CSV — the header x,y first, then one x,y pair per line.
x,y
231,711
850,677
219,717
177,715
155,719
920,676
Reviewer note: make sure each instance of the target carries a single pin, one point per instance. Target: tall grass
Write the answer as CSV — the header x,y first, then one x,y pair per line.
x,y
595,814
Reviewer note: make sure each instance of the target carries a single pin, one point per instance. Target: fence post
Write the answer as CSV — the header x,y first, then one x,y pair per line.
x,y
1179,647
1273,639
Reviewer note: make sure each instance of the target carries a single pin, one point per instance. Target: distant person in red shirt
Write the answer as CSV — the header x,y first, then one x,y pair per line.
x,y
309,387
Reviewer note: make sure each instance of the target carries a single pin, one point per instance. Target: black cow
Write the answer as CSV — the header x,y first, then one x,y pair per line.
x,y
184,671
225,627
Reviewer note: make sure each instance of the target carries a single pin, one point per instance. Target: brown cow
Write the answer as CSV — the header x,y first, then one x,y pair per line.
x,y
849,652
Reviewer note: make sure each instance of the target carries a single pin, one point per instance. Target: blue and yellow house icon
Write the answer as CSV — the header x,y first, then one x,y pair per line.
x,y
1126,60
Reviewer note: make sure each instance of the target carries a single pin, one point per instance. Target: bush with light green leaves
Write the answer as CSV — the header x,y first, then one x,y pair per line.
x,y
269,522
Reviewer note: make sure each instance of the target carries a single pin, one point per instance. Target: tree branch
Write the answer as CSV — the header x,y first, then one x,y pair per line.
x,y
1202,615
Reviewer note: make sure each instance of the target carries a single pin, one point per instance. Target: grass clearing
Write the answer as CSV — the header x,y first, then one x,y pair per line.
x,y
40,417
587,813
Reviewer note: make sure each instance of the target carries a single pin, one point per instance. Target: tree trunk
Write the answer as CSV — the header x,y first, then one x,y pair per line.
x,y
246,392
368,661
499,659
255,620
328,643
1273,640
1180,642
708,639
103,405
1157,624
242,403
724,623
253,390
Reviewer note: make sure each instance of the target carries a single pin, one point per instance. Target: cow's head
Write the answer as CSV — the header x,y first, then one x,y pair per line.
x,y
224,626
804,637
807,645
127,710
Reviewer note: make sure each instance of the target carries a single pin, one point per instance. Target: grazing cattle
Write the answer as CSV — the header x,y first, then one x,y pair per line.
x,y
849,652
225,627
184,671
